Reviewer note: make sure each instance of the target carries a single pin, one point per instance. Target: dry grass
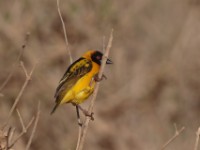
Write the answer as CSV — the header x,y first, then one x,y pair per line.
x,y
153,83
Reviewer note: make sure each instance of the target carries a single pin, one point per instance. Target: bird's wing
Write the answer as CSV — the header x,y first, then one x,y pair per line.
x,y
77,70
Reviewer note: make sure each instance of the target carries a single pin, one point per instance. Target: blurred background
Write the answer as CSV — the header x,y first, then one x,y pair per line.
x,y
153,83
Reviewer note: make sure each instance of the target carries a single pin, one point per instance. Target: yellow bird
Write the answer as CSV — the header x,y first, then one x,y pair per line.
x,y
78,82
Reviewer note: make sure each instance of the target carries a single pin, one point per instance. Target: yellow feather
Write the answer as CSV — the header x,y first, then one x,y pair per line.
x,y
83,88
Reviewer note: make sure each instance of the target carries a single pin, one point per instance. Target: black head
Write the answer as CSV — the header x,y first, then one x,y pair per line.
x,y
97,57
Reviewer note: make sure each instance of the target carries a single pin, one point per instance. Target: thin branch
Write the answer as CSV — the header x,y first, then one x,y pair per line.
x,y
64,30
86,123
16,62
11,134
22,133
34,127
21,120
24,69
7,137
176,134
197,139
28,77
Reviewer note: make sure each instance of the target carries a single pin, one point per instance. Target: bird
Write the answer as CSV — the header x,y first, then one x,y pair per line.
x,y
79,80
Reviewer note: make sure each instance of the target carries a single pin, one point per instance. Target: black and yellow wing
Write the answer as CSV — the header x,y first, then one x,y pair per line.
x,y
75,71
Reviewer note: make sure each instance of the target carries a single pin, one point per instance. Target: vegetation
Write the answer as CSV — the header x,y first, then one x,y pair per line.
x,y
153,84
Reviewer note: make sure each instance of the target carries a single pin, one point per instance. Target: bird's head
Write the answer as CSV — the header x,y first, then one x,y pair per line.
x,y
96,56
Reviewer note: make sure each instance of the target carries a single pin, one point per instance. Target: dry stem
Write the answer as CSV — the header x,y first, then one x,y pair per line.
x,y
7,138
24,130
16,62
28,78
34,127
10,137
22,133
176,134
197,139
86,123
21,120
69,52
64,30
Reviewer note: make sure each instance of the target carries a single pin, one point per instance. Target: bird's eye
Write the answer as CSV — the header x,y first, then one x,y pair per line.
x,y
98,57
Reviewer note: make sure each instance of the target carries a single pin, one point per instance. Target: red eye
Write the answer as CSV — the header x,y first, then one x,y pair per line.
x,y
98,57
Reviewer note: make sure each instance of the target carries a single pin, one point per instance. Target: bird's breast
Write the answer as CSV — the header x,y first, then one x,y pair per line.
x,y
86,82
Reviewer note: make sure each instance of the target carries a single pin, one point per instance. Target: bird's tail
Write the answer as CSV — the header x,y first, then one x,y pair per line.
x,y
54,108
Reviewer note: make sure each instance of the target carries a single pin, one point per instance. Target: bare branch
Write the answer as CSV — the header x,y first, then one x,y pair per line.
x,y
3,140
81,141
21,120
28,77
16,62
7,137
11,135
197,139
22,133
34,127
24,68
176,134
64,30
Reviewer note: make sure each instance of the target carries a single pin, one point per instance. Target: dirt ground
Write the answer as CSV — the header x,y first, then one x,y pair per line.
x,y
153,84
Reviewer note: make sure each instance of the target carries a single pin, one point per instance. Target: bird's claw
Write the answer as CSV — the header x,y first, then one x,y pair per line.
x,y
97,79
89,115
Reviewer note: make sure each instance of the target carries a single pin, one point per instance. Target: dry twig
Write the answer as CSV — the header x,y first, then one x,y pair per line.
x,y
64,31
34,127
81,141
176,134
70,57
7,138
16,62
3,140
24,130
10,136
28,78
21,120
197,139
22,133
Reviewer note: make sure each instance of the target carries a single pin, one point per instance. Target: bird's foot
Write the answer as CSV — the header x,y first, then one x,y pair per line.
x,y
87,114
97,79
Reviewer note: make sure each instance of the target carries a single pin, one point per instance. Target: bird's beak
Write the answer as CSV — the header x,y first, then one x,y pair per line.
x,y
109,61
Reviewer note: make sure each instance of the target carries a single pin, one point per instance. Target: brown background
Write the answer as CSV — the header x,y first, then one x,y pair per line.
x,y
154,82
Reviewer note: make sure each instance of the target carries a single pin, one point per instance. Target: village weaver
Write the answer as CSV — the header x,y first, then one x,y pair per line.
x,y
78,82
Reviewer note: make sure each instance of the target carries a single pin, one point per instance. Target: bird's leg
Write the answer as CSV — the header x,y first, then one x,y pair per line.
x,y
97,79
78,116
85,112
